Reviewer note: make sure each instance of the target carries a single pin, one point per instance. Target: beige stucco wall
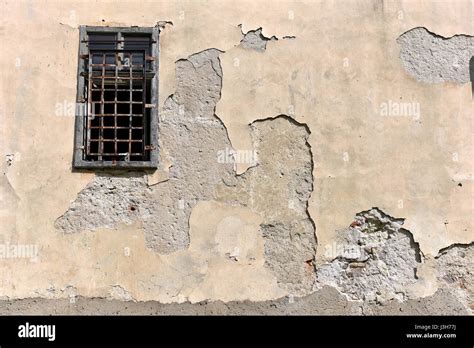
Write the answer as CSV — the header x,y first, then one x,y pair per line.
x,y
341,65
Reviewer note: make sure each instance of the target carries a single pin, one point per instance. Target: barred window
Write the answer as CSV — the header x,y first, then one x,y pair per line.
x,y
118,91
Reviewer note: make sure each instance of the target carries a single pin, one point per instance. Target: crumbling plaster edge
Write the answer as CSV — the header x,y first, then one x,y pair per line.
x,y
434,34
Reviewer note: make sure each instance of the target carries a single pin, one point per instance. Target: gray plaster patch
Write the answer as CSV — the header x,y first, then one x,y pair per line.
x,y
104,202
278,188
191,136
374,260
455,266
432,58
254,39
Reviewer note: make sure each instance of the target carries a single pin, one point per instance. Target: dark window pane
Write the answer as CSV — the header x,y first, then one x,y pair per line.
x,y
137,43
102,41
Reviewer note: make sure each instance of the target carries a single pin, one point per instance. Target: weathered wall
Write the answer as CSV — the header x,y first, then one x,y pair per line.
x,y
306,149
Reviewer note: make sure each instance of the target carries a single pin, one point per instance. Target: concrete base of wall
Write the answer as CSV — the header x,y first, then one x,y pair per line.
x,y
326,301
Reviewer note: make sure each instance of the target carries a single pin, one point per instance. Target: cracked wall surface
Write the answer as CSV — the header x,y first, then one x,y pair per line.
x,y
279,128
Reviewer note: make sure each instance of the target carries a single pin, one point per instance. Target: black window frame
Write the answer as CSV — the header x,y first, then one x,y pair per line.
x,y
79,158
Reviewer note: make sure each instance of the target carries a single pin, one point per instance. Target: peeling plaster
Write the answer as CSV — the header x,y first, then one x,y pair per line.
x,y
433,59
278,188
375,259
333,78
455,265
190,138
358,145
194,139
254,39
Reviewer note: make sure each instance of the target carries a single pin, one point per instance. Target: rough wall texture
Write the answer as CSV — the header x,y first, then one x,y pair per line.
x,y
280,127
455,267
377,261
255,40
326,301
431,58
191,137
278,188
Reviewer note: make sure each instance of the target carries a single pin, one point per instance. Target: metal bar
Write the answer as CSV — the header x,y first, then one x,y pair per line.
x,y
118,56
118,115
119,78
115,105
114,41
130,55
118,140
144,120
119,102
113,127
118,90
118,155
88,120
98,77
102,96
134,66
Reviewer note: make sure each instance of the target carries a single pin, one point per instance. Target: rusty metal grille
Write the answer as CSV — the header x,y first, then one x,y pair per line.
x,y
116,119
118,88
